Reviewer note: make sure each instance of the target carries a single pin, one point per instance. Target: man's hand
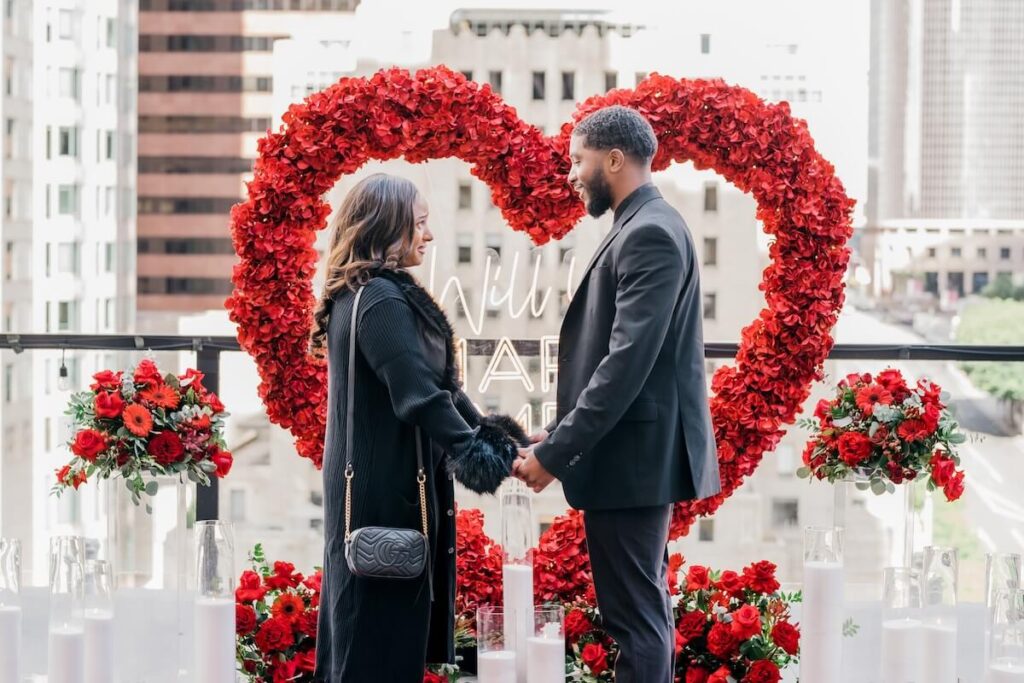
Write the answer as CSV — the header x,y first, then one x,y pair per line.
x,y
529,469
537,437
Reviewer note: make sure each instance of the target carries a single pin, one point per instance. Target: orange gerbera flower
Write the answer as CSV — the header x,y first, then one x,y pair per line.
x,y
161,396
137,419
288,606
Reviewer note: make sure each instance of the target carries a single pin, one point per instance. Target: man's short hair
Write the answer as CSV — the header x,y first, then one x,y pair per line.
x,y
619,127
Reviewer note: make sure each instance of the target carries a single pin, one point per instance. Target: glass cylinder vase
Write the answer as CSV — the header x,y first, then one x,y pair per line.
x,y
10,609
214,633
545,648
939,599
496,655
1006,664
517,540
66,653
100,658
902,643
822,607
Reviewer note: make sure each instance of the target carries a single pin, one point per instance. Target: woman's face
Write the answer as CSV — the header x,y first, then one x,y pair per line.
x,y
421,234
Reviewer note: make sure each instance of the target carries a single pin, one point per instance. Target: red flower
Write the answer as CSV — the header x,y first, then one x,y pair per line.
x,y
691,625
250,587
166,448
66,477
731,582
762,671
313,582
943,469
746,622
721,675
854,448
697,675
275,635
595,657
306,661
760,577
787,637
108,405
914,429
675,563
284,577
870,395
288,606
106,381
307,622
431,677
245,619
88,444
161,396
823,410
192,379
892,381
214,403
697,578
954,488
147,374
137,419
721,641
223,460
577,625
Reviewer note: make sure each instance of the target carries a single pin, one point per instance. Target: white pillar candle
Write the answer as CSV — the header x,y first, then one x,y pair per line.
x,y
518,595
99,646
545,660
10,642
821,623
497,666
939,652
214,640
902,644
1006,672
66,657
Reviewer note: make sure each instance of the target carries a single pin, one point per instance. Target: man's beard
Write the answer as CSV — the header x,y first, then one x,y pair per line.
x,y
600,195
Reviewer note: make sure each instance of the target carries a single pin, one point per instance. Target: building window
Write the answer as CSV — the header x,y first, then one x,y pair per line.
x,y
494,78
203,124
110,256
195,83
1004,253
68,142
68,200
710,301
931,283
982,253
182,205
465,254
184,285
785,513
108,314
111,33
955,282
639,76
109,145
67,314
8,383
190,245
611,80
468,75
465,196
66,24
706,530
69,83
710,251
710,197
538,85
979,281
956,252
68,258
705,43
493,245
569,86
932,252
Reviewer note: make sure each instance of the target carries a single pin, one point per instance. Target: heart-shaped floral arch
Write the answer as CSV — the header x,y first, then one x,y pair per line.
x,y
436,113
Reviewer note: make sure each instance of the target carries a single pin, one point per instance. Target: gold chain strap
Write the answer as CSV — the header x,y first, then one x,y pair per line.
x,y
421,479
348,501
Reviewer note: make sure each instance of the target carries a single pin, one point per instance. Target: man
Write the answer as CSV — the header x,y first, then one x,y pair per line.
x,y
633,431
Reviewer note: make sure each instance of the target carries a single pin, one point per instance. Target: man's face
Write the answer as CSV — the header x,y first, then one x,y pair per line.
x,y
587,176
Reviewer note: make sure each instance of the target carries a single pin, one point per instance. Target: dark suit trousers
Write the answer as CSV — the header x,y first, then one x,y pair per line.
x,y
629,557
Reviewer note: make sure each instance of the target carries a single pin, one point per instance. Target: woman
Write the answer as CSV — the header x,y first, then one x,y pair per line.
x,y
373,629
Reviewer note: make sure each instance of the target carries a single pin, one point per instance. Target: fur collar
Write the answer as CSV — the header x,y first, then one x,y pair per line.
x,y
429,310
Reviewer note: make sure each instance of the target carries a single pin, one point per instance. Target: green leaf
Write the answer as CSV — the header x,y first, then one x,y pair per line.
x,y
850,628
803,472
877,487
957,437
152,487
862,485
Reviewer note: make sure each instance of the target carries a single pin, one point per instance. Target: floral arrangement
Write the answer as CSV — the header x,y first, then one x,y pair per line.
x,y
435,113
730,627
477,568
276,612
142,422
884,431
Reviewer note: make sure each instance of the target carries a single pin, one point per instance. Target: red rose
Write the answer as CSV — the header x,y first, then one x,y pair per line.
x,y
595,657
697,675
214,403
854,448
697,578
65,476
306,661
192,379
106,380
721,641
314,582
223,460
275,635
577,625
284,577
147,374
245,619
762,671
431,677
307,622
943,469
823,410
731,582
787,637
88,444
108,404
721,675
760,577
880,435
250,587
746,622
692,625
954,488
893,382
166,448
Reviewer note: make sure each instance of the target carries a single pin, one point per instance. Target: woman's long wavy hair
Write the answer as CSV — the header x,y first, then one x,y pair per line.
x,y
372,231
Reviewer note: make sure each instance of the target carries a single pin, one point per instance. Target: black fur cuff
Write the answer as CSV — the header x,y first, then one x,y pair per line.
x,y
509,426
486,462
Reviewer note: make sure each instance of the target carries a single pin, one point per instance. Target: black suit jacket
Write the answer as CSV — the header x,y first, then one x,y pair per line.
x,y
633,428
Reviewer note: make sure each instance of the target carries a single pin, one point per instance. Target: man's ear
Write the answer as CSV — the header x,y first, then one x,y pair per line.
x,y
615,160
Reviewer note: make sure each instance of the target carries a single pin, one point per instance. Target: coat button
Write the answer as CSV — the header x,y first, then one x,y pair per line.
x,y
451,551
451,513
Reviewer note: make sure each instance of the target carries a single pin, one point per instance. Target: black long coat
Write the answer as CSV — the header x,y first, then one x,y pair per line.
x,y
384,629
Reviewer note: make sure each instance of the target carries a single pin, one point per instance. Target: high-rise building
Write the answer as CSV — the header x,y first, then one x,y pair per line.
x,y
68,231
205,98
